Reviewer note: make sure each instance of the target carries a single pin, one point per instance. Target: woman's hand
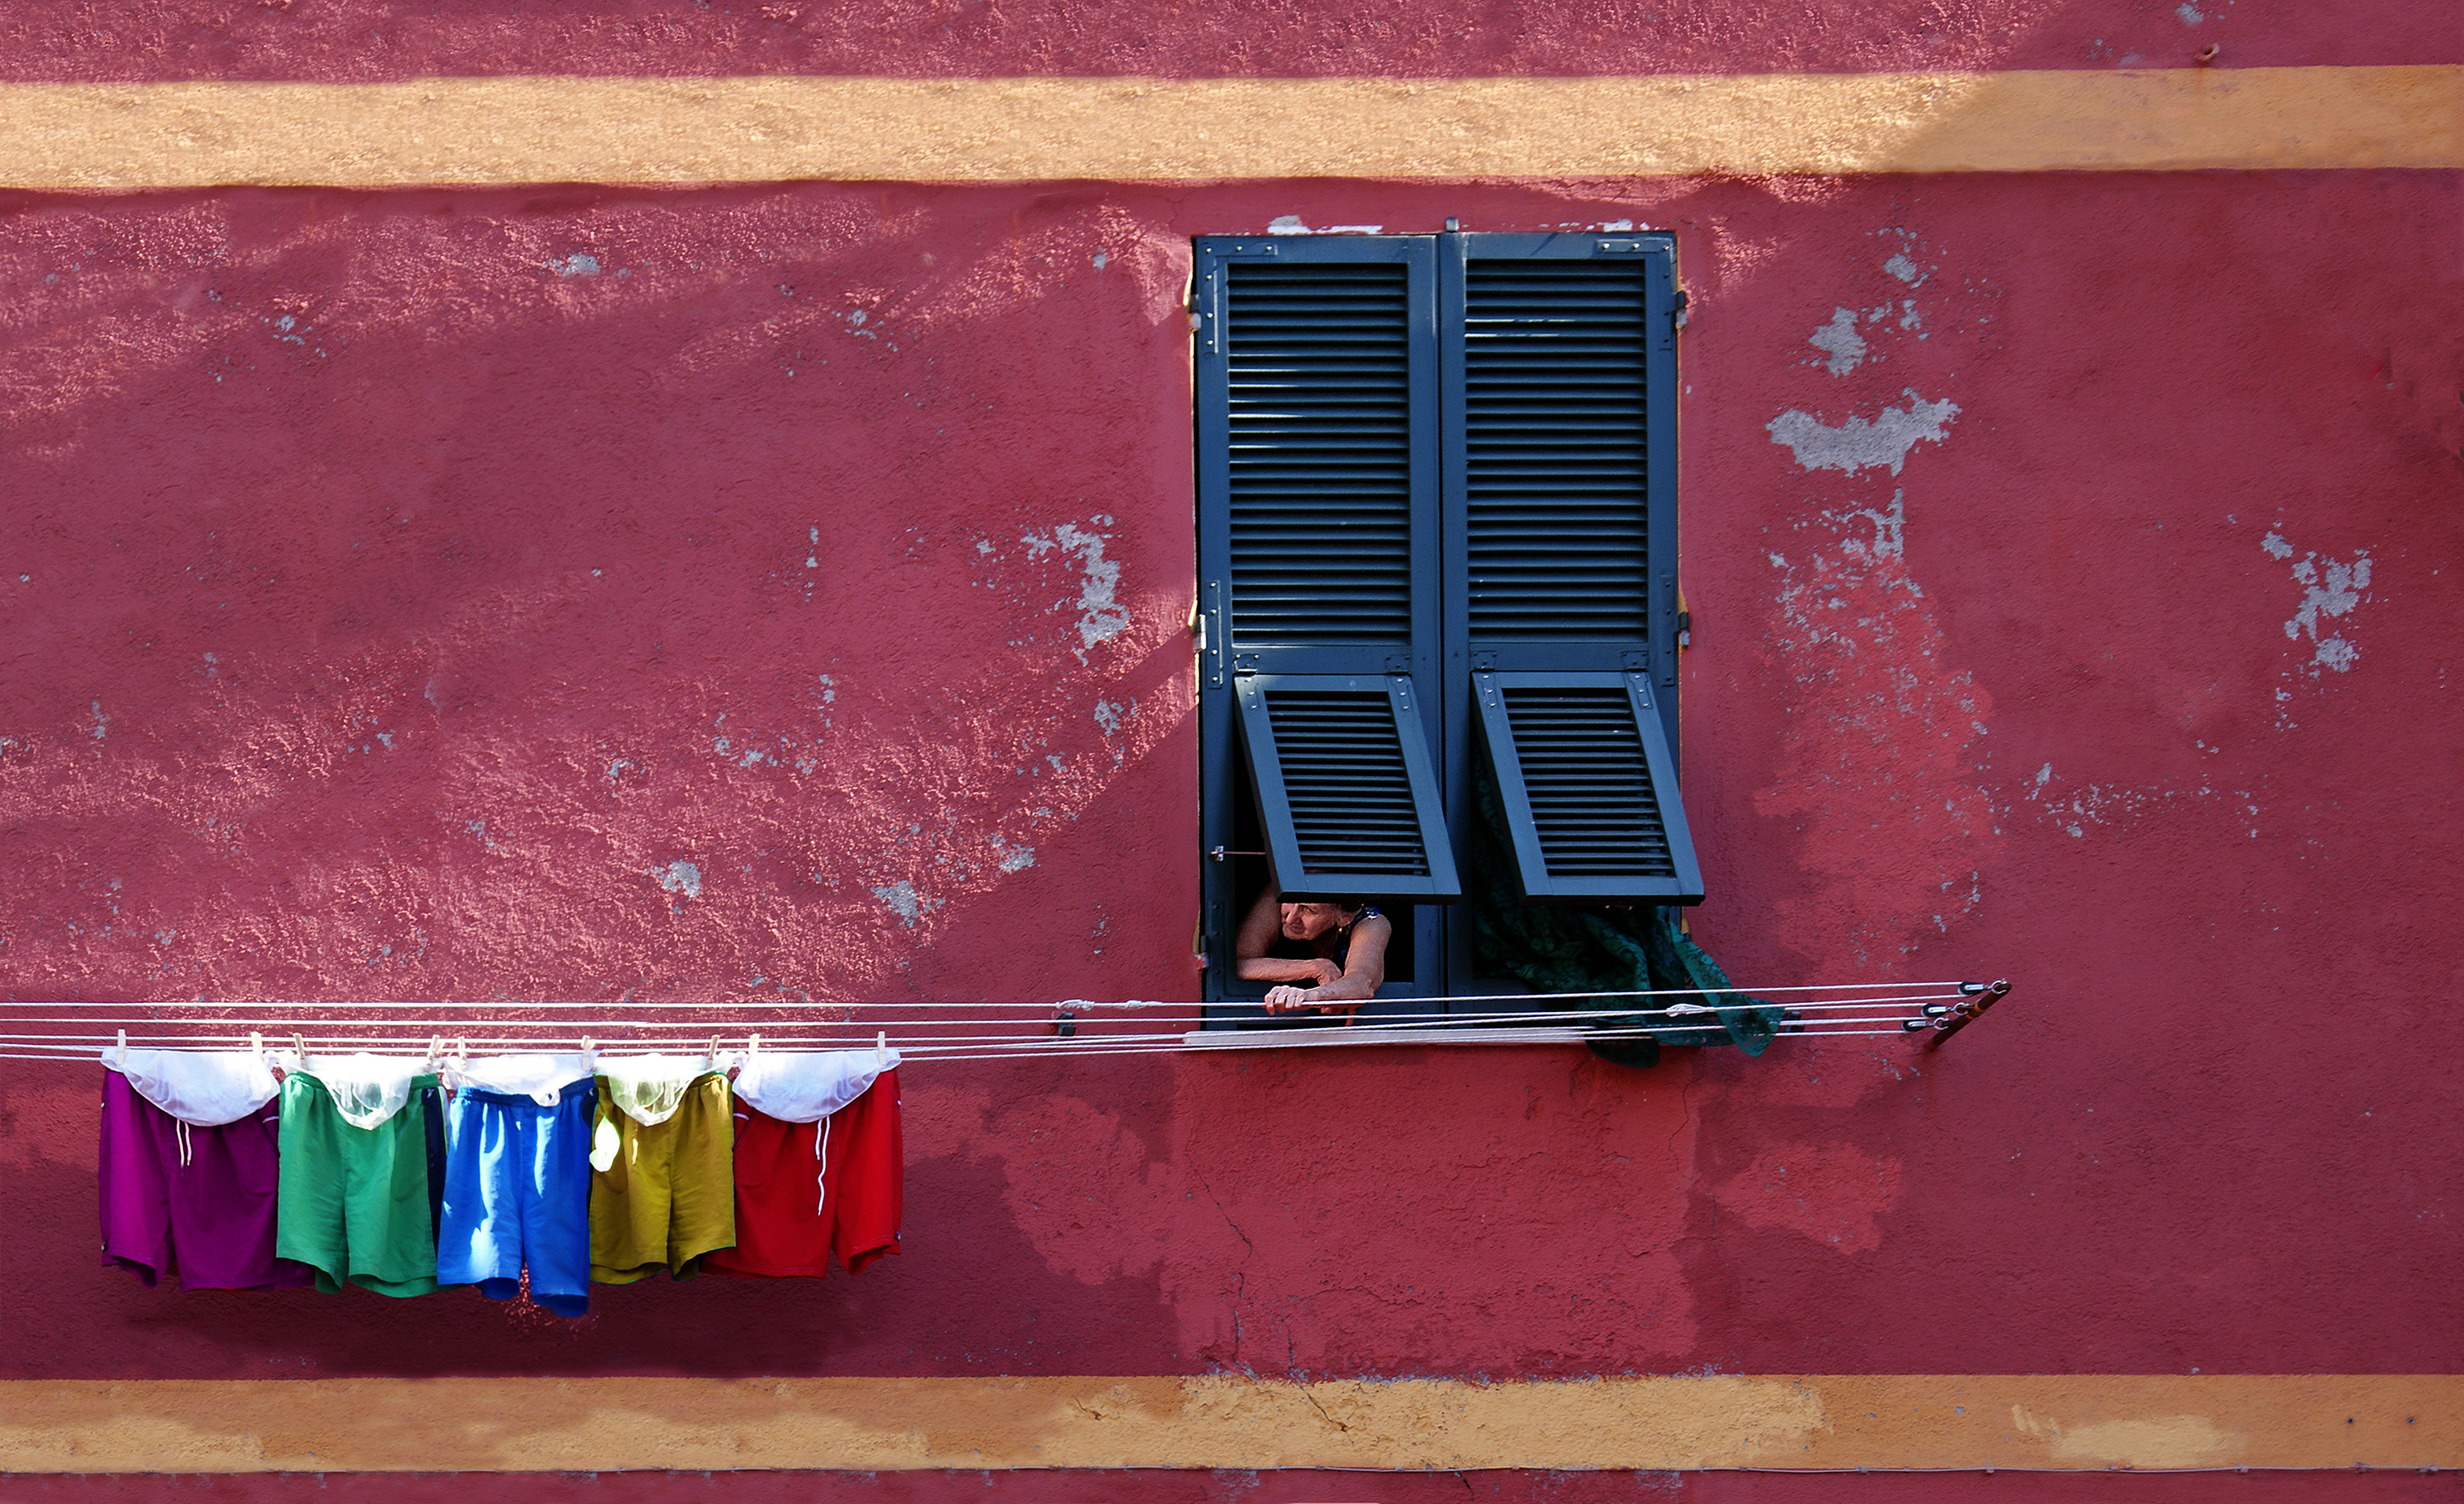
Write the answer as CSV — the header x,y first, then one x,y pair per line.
x,y
1301,996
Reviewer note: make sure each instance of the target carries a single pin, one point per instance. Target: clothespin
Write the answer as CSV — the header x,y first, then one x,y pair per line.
x,y
256,1046
589,1054
714,1052
435,1049
752,1047
123,1050
299,1052
462,1055
881,1049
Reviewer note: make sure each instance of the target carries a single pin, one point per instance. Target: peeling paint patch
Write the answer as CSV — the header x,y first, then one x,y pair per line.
x,y
679,877
1856,637
904,901
1107,715
2330,588
1860,443
2075,808
1841,342
582,263
1292,225
1101,618
1018,859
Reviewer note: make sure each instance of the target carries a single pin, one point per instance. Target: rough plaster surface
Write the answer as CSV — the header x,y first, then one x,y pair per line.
x,y
1295,1486
585,592
369,40
1814,1421
487,132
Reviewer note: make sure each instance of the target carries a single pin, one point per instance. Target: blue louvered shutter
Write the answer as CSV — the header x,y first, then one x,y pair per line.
x,y
1317,473
1346,788
1558,354
1588,788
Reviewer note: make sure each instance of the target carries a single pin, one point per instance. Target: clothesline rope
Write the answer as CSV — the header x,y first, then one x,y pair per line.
x,y
912,1046
271,1024
1068,1002
1325,1038
1813,1011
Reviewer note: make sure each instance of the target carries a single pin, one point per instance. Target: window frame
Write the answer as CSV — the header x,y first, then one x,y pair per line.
x,y
1444,655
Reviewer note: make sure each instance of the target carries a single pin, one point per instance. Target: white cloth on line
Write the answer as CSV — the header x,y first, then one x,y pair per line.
x,y
807,1086
649,1088
366,1089
542,1077
202,1088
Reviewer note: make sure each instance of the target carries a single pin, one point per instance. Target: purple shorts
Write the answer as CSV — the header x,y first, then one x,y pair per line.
x,y
197,1202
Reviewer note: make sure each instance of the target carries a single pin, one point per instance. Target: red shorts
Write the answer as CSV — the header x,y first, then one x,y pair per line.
x,y
804,1191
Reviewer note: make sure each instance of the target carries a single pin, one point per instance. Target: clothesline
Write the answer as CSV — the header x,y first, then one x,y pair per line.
x,y
1837,1010
1329,1038
287,1022
655,1005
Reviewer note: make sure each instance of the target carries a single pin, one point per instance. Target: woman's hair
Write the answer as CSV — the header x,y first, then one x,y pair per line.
x,y
1348,903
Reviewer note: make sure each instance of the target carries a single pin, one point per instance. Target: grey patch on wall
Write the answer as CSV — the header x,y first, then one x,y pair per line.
x,y
904,901
1860,443
1840,340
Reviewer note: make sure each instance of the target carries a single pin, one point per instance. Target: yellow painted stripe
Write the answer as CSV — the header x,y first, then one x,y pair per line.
x,y
1784,1422
763,129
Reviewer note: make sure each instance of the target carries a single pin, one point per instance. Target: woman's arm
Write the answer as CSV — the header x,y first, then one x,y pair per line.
x,y
1259,928
1363,973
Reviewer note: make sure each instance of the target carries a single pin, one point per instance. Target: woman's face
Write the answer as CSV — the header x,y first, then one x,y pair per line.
x,y
1307,921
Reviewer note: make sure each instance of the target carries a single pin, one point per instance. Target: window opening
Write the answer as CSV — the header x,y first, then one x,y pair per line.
x,y
1429,464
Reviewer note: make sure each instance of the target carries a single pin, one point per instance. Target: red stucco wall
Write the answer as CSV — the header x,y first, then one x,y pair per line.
x,y
311,692
396,587
376,39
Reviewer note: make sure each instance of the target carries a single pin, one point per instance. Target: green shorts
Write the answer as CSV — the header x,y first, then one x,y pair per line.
x,y
669,1198
360,1204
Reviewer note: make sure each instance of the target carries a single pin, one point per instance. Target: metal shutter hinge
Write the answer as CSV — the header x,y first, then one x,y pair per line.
x,y
1680,307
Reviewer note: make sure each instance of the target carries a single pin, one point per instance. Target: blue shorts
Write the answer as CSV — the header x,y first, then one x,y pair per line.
x,y
516,1192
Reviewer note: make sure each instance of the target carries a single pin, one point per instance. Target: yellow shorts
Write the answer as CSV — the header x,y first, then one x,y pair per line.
x,y
670,1197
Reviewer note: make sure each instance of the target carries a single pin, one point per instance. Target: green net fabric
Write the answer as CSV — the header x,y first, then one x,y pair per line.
x,y
1552,948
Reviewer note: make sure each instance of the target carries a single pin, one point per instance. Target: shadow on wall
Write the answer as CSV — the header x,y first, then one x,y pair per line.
x,y
757,595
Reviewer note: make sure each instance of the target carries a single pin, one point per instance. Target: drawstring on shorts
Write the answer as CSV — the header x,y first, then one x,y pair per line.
x,y
821,1158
